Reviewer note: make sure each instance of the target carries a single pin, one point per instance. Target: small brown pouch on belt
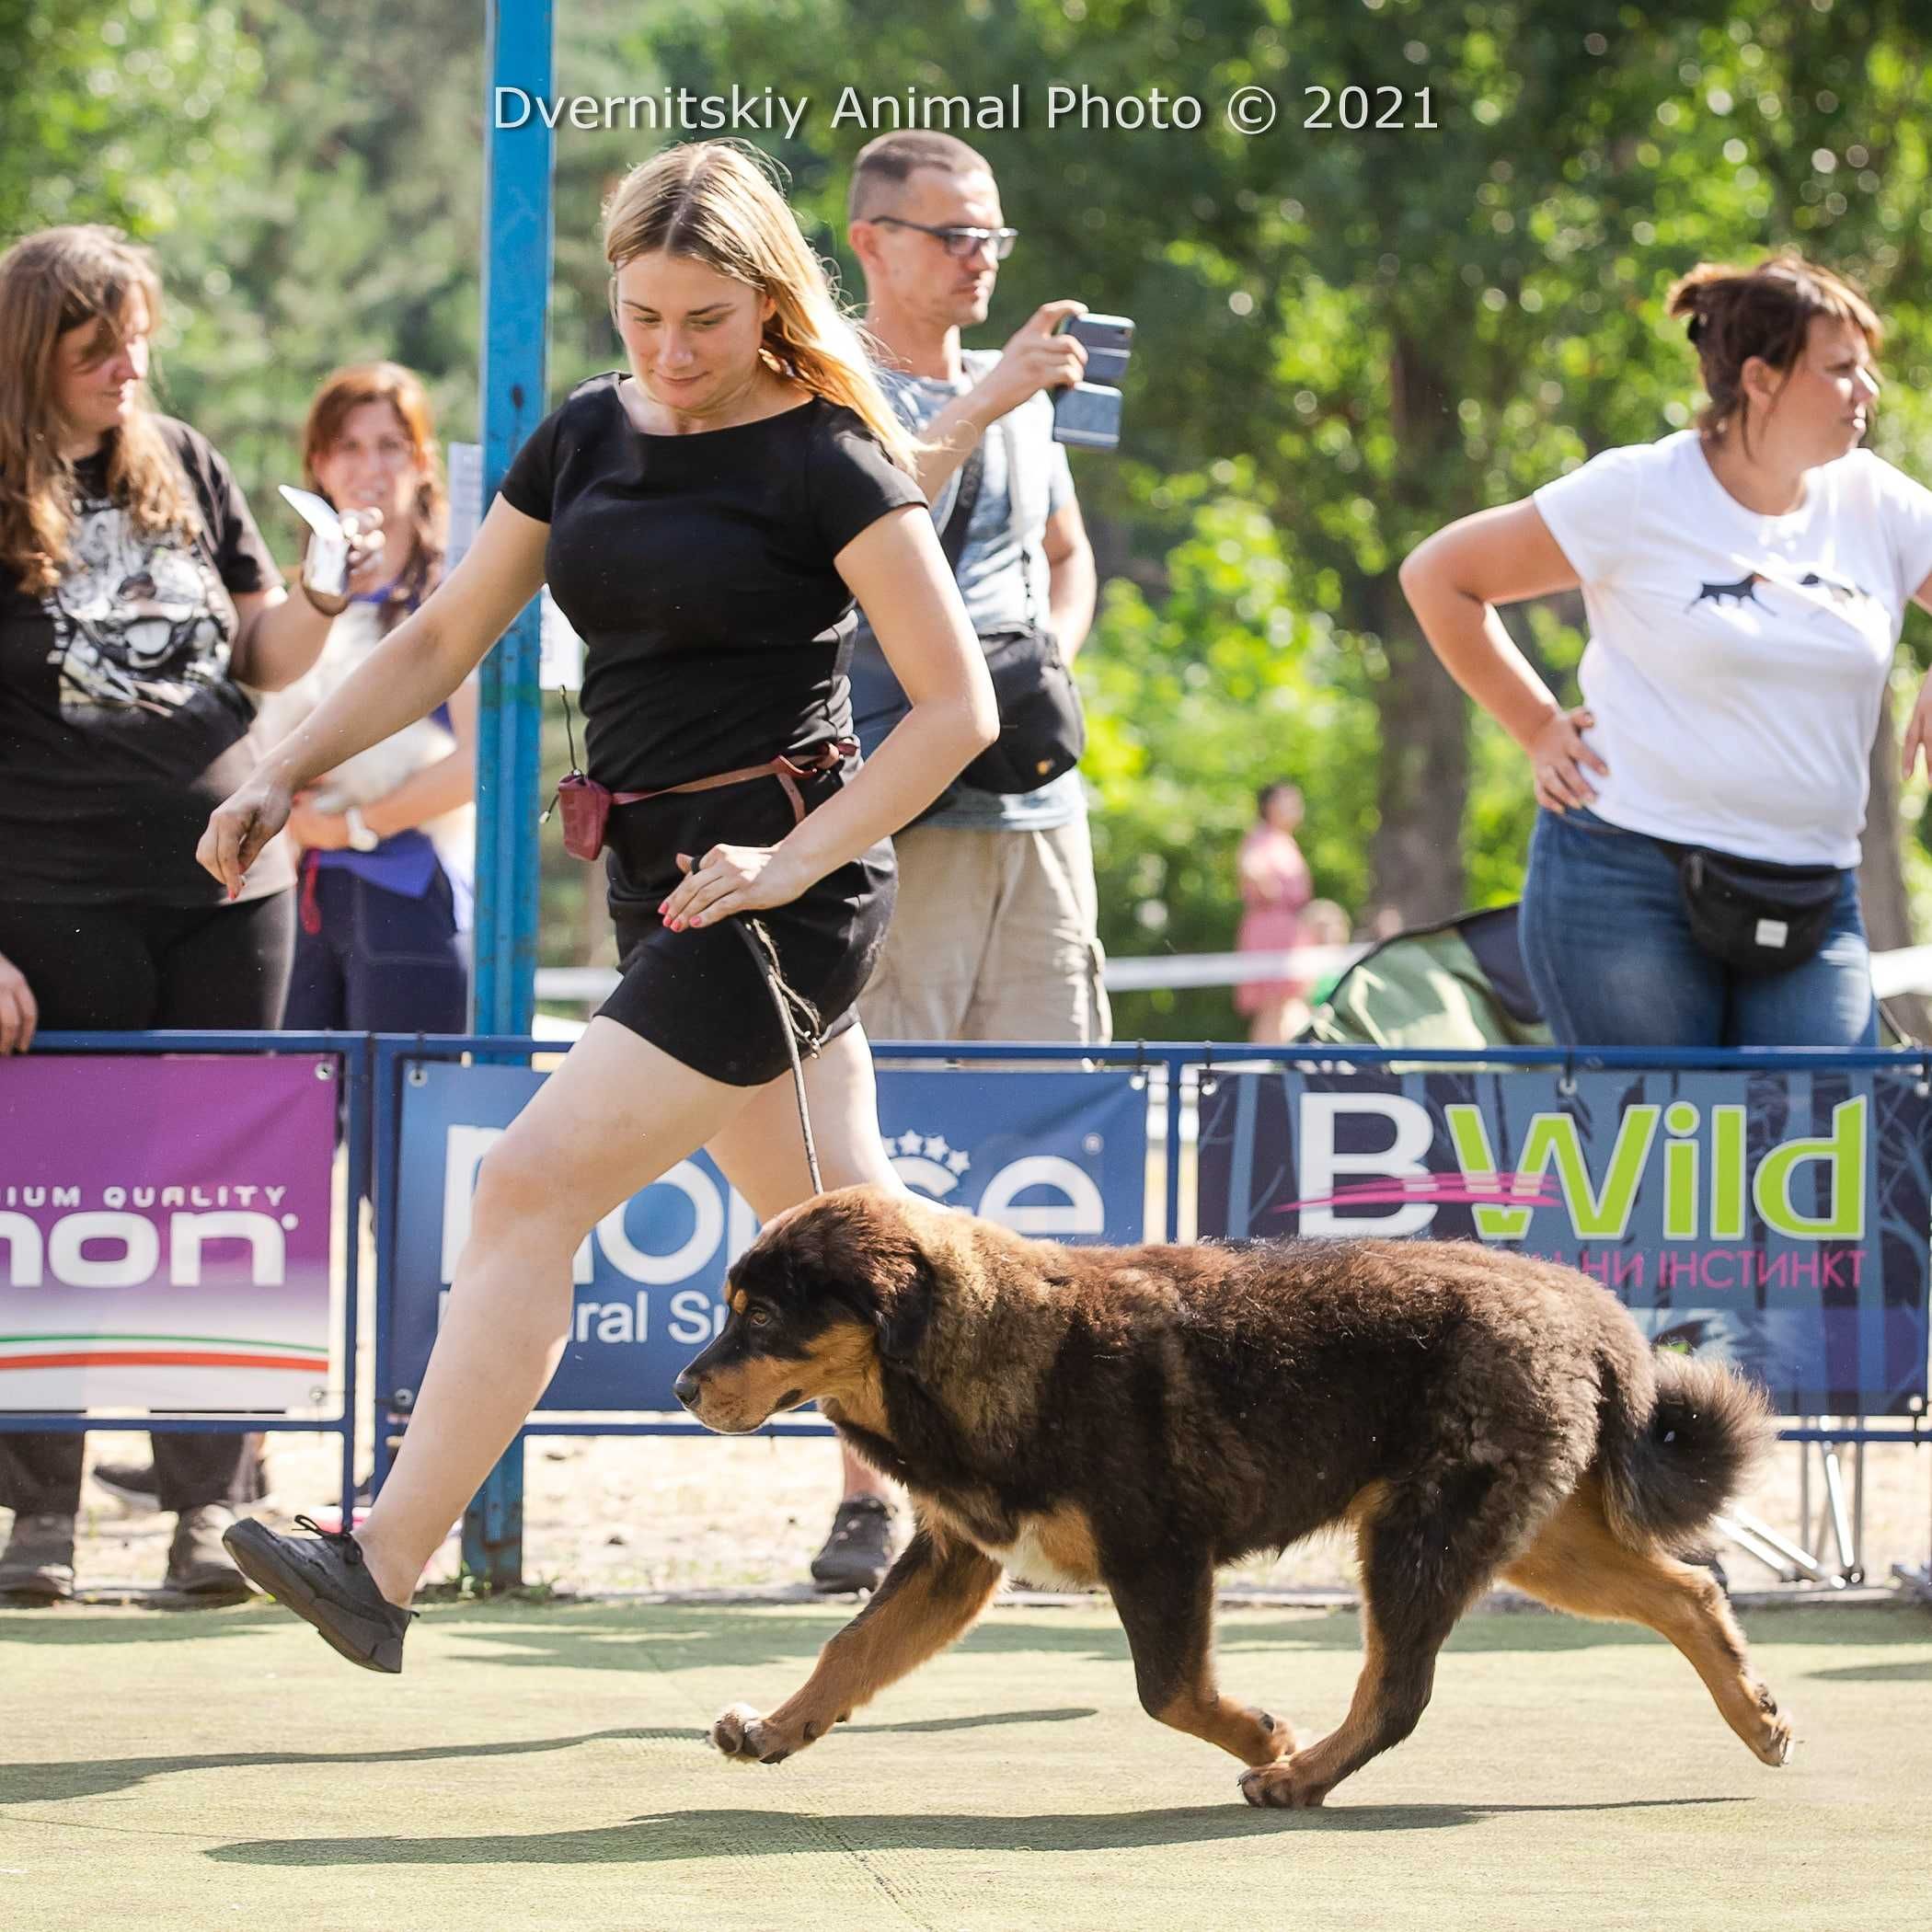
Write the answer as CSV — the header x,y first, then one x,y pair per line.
x,y
585,805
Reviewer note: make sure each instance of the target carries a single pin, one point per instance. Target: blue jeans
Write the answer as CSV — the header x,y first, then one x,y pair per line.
x,y
1611,959
379,961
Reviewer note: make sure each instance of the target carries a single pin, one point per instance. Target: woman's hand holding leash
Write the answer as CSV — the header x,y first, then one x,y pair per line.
x,y
1557,755
239,827
731,878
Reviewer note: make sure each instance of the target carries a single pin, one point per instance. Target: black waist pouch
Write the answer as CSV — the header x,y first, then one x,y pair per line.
x,y
1756,918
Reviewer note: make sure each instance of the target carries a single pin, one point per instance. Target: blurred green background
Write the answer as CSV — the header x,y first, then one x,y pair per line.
x,y
1346,338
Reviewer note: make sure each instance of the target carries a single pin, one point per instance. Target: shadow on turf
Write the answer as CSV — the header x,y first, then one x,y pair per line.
x,y
606,1637
55,1781
94,1777
669,1836
1908,1670
1067,1716
611,1636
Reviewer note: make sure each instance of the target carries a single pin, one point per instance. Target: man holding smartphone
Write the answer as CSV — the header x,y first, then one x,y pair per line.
x,y
994,934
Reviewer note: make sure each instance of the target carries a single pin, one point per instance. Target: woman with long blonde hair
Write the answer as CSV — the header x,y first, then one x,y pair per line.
x,y
140,613
705,518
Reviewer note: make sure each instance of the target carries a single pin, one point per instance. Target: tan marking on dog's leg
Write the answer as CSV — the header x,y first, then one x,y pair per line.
x,y
1066,1538
1577,1564
1365,1504
1254,1736
1403,1629
935,1590
1307,1777
1168,1614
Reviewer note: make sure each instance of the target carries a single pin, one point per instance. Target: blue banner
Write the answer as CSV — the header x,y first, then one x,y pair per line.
x,y
1061,1155
1780,1219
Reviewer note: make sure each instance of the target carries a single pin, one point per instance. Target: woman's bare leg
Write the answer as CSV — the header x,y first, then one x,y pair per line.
x,y
763,1155
616,1115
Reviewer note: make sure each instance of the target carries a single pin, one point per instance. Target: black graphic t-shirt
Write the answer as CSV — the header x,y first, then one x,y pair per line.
x,y
698,570
120,725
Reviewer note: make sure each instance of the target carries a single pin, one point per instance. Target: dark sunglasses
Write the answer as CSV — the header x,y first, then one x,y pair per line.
x,y
960,243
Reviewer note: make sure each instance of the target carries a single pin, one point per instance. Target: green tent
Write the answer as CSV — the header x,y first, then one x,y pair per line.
x,y
1457,985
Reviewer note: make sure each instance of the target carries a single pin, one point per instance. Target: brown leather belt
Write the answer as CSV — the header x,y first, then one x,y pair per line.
x,y
786,771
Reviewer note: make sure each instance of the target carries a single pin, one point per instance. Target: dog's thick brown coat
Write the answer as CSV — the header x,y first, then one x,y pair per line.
x,y
1134,1416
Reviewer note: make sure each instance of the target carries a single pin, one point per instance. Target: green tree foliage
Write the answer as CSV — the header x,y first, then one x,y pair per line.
x,y
117,112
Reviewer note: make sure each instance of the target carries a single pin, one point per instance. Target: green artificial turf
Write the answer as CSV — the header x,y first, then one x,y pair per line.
x,y
540,1764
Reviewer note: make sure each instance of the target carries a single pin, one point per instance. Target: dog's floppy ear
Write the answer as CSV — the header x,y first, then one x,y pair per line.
x,y
902,1315
878,1263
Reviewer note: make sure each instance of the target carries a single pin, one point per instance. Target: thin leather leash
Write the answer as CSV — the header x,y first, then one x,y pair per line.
x,y
795,1018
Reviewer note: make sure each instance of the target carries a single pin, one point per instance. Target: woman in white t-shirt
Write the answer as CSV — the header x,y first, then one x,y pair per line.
x,y
1691,879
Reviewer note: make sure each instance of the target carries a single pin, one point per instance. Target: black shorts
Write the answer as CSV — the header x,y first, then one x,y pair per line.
x,y
699,994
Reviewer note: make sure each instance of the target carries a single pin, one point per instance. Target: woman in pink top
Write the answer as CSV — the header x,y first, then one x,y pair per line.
x,y
1274,887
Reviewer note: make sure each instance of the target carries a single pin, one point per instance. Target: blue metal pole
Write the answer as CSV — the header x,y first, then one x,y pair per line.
x,y
516,301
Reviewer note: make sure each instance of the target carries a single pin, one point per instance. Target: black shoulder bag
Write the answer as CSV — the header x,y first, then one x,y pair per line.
x,y
1042,731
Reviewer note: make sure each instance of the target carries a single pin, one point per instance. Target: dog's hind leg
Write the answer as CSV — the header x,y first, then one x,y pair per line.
x,y
1576,1564
1167,1609
1422,1563
938,1585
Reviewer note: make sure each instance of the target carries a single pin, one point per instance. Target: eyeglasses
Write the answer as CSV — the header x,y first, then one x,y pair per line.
x,y
961,244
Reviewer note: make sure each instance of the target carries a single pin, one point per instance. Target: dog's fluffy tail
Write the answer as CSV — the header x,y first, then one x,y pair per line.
x,y
1667,1474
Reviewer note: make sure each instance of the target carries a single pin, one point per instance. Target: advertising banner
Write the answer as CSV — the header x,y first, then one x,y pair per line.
x,y
1057,1155
1778,1218
164,1232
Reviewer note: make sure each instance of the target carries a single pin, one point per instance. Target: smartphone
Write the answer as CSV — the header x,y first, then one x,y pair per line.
x,y
1087,416
1109,343
325,565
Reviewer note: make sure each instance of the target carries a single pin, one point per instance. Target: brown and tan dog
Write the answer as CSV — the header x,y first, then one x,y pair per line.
x,y
1133,1417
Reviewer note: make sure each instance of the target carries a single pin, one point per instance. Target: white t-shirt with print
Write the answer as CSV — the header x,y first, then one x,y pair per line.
x,y
1737,662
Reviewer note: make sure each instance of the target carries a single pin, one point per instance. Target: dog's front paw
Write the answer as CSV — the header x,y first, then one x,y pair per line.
x,y
1776,1734
1286,1786
743,1735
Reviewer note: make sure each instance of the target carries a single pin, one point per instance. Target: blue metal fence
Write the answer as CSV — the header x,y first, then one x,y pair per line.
x,y
375,1067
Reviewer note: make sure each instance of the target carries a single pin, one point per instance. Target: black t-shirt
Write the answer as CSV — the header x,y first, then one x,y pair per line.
x,y
698,570
119,726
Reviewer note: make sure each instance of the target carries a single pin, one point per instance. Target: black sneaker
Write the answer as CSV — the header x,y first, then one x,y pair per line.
x,y
858,1552
322,1578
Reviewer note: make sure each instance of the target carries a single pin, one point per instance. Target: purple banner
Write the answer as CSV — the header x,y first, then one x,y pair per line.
x,y
166,1229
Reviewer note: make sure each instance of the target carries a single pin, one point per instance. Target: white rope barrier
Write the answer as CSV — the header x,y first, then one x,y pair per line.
x,y
1908,970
